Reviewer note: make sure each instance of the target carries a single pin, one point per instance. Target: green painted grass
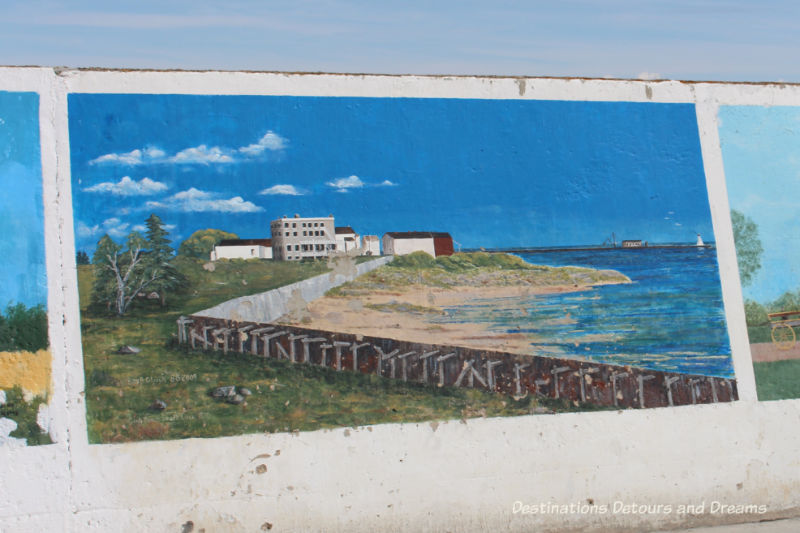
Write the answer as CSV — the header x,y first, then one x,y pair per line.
x,y
473,269
286,397
24,413
778,380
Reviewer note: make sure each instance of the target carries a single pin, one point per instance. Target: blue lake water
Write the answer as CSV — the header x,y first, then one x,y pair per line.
x,y
670,318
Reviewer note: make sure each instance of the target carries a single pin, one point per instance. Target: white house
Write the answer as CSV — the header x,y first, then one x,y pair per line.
x,y
370,245
406,242
242,249
346,239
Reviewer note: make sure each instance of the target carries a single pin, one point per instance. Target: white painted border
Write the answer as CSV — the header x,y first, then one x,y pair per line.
x,y
35,479
430,477
726,250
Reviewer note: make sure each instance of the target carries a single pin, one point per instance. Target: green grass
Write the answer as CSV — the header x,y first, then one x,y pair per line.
x,y
286,397
778,380
24,413
476,269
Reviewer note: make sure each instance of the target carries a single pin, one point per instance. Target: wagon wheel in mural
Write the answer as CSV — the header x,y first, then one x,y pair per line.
x,y
783,336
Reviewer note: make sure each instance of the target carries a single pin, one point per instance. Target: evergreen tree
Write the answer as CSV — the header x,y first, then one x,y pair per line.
x,y
167,277
104,287
82,258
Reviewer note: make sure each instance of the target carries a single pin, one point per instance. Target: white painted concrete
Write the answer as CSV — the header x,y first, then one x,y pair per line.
x,y
271,305
451,476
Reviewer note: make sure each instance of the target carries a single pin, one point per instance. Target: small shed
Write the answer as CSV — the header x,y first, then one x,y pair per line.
x,y
242,249
346,239
435,243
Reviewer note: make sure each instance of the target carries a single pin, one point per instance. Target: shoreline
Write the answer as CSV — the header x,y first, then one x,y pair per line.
x,y
409,313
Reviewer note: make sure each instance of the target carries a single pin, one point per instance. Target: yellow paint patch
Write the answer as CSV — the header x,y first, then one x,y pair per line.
x,y
29,370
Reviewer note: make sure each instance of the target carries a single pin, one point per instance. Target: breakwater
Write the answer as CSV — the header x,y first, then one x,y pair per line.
x,y
452,366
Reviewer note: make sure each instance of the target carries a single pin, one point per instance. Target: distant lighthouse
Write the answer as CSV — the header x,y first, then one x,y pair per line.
x,y
699,241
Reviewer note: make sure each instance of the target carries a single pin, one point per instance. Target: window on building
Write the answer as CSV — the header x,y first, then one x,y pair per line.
x,y
285,224
295,234
294,224
304,234
287,234
296,247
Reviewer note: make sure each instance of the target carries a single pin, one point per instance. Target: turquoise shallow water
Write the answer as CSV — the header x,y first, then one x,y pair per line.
x,y
670,318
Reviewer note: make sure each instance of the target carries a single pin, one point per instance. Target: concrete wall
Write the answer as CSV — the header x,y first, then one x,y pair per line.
x,y
542,473
270,305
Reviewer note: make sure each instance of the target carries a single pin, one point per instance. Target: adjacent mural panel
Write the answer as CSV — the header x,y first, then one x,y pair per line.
x,y
760,148
538,257
25,361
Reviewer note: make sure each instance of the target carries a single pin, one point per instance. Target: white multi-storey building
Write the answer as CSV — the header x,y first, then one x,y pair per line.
x,y
299,238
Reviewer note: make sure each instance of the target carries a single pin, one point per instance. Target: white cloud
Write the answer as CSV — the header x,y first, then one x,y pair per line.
x,y
134,157
83,230
286,190
202,154
141,228
270,141
197,201
114,227
387,183
129,187
344,184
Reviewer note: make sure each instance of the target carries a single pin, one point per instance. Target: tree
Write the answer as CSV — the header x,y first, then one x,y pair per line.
x,y
167,277
202,242
120,275
104,286
82,258
748,246
23,328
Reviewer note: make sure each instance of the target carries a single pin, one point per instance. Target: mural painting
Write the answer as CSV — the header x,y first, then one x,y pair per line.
x,y
25,361
275,263
760,152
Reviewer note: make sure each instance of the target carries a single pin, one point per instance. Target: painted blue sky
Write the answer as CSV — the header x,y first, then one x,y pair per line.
x,y
683,39
493,173
761,152
22,269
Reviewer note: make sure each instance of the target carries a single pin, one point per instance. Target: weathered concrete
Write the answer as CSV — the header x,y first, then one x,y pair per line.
x,y
440,476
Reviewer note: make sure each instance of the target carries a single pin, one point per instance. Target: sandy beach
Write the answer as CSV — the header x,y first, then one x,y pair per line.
x,y
409,314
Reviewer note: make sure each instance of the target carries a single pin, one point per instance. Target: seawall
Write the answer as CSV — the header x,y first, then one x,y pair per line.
x,y
270,305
